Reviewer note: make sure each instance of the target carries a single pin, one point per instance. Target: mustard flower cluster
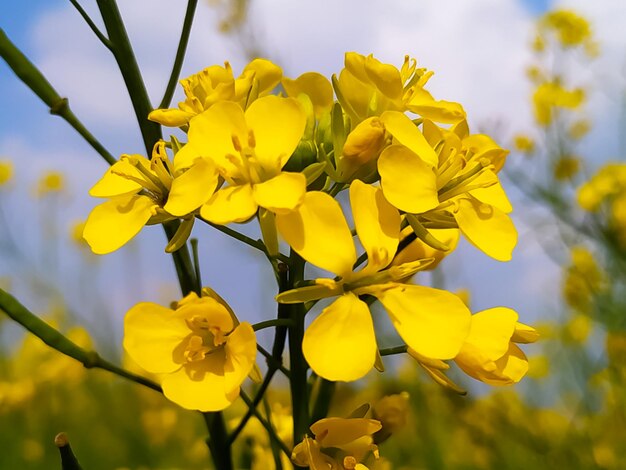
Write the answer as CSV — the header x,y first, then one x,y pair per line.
x,y
279,150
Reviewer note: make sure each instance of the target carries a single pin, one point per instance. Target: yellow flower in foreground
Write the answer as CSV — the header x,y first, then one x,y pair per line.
x,y
339,443
249,150
202,351
142,191
489,353
340,344
6,171
214,84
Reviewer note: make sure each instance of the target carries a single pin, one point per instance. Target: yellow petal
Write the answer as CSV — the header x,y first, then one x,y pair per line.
x,y
377,224
240,356
385,76
282,193
491,331
200,386
151,334
483,146
267,73
433,322
340,343
315,86
424,104
192,188
487,228
113,184
211,134
417,249
113,223
278,125
230,204
317,230
337,432
408,183
170,117
524,334
493,194
406,132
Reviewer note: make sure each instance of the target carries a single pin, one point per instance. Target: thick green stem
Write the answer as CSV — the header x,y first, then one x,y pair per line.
x,y
218,441
185,268
394,350
180,54
34,79
123,53
68,459
298,365
56,340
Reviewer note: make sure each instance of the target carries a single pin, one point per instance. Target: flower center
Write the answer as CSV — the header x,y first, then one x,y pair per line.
x,y
205,339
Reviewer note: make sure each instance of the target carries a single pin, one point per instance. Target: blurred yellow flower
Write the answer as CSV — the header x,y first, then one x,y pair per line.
x,y
579,129
538,366
567,167
552,95
201,349
571,29
6,171
583,279
50,182
524,143
578,328
392,411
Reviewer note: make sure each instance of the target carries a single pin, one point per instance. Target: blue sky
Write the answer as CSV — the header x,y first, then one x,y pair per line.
x,y
479,51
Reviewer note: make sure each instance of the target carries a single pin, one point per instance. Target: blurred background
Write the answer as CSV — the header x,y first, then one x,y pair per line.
x,y
546,79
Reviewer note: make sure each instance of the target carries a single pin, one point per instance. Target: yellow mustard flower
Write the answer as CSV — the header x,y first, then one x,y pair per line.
x,y
340,344
579,129
583,279
339,443
392,411
608,182
456,185
216,83
551,95
202,351
571,29
6,171
249,150
367,87
315,86
143,192
489,353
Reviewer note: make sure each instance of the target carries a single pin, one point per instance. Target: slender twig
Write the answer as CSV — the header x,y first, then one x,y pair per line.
x,y
394,350
56,340
272,362
258,244
269,428
180,53
275,449
34,79
252,404
270,323
103,39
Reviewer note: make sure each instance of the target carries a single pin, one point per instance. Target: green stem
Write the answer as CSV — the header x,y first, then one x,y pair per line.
x,y
56,340
269,323
218,441
268,427
322,401
185,269
103,39
180,53
34,79
278,464
125,58
298,365
68,459
258,244
394,350
273,362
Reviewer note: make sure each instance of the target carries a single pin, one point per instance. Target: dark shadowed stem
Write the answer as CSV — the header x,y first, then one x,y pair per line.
x,y
394,350
180,54
298,365
218,441
267,425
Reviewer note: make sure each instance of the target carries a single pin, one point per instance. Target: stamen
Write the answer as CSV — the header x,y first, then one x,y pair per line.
x,y
251,139
349,462
236,143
